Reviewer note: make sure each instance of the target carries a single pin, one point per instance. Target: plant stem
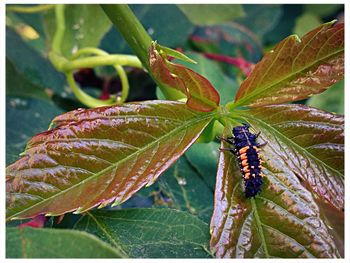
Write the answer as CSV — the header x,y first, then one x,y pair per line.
x,y
91,62
131,29
138,39
60,28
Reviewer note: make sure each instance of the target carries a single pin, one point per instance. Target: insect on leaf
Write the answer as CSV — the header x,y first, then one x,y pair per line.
x,y
310,143
282,221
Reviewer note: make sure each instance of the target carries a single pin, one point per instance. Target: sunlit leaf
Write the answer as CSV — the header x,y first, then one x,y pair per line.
x,y
296,68
201,95
282,221
309,142
98,156
150,233
52,243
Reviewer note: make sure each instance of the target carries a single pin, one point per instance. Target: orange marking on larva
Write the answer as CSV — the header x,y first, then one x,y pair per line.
x,y
246,176
245,162
243,150
245,169
243,156
262,175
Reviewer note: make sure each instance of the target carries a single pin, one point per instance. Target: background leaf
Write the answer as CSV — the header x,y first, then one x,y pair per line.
x,y
211,14
310,142
98,156
260,19
36,243
331,100
31,65
80,29
150,233
230,39
305,23
21,126
295,70
282,221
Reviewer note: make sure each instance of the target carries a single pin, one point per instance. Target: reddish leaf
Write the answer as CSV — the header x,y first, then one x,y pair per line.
x,y
282,221
201,95
309,142
296,69
98,156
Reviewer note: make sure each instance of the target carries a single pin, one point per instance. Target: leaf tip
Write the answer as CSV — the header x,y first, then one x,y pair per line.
x,y
116,203
296,38
78,211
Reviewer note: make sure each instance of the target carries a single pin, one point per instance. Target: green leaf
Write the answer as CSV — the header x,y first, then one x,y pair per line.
x,y
204,158
201,95
24,118
97,156
309,142
211,14
332,100
150,233
260,19
323,10
17,85
296,69
305,23
52,243
31,65
282,221
187,189
85,25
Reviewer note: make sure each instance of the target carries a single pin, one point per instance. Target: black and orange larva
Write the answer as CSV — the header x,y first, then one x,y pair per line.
x,y
247,151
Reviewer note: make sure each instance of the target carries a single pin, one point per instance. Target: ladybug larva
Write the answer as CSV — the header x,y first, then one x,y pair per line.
x,y
247,151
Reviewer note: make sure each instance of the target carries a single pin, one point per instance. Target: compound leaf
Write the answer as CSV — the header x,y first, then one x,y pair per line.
x,y
97,156
296,68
